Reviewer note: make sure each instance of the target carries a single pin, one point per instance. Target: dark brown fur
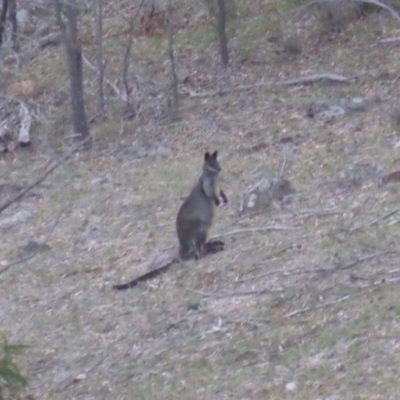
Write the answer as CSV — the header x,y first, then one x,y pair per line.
x,y
196,214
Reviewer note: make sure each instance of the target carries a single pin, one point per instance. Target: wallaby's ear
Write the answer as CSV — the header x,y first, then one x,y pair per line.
x,y
214,155
207,156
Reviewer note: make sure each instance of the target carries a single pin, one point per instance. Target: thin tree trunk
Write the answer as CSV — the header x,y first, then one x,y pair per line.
x,y
3,19
74,61
170,35
221,28
100,63
12,16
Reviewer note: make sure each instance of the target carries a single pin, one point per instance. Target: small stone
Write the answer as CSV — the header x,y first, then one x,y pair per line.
x,y
291,386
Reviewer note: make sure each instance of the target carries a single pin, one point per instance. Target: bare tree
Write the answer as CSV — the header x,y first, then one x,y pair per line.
x,y
170,36
218,13
3,19
12,16
221,29
69,30
100,63
9,7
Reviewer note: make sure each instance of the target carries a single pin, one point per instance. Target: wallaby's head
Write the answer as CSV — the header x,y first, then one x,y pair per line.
x,y
211,163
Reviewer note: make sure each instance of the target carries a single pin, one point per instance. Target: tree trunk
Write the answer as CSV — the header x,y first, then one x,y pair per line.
x,y
100,64
3,19
74,61
12,16
221,28
170,34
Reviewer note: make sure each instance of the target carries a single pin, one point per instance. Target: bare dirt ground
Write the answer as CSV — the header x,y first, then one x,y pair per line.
x,y
307,309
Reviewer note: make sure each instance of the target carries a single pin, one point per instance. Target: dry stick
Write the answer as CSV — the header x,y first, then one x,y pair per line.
x,y
283,164
250,230
359,261
229,294
114,87
327,304
250,321
382,282
42,178
302,271
387,215
41,246
234,294
288,82
76,380
256,276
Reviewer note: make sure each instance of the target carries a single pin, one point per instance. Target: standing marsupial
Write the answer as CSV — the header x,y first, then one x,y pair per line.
x,y
196,214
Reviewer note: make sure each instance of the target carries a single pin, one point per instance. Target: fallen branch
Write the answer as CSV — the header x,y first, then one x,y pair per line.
x,y
305,80
229,294
375,221
327,304
358,261
250,230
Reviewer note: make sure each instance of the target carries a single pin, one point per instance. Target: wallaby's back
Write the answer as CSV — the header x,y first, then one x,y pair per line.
x,y
196,214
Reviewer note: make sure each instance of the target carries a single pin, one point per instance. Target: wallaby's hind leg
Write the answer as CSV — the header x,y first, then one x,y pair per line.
x,y
200,242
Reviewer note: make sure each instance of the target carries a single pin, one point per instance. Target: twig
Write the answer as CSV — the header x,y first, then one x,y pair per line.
x,y
282,271
228,294
359,261
234,294
249,321
381,282
310,271
250,230
114,87
23,192
327,304
283,164
76,380
389,214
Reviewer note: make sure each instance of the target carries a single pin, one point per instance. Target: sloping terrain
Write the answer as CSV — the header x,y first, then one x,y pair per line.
x,y
302,304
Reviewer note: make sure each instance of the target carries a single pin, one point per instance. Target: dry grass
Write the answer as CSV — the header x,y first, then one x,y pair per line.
x,y
274,316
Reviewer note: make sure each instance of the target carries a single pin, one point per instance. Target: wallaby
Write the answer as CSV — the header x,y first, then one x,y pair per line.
x,y
196,214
